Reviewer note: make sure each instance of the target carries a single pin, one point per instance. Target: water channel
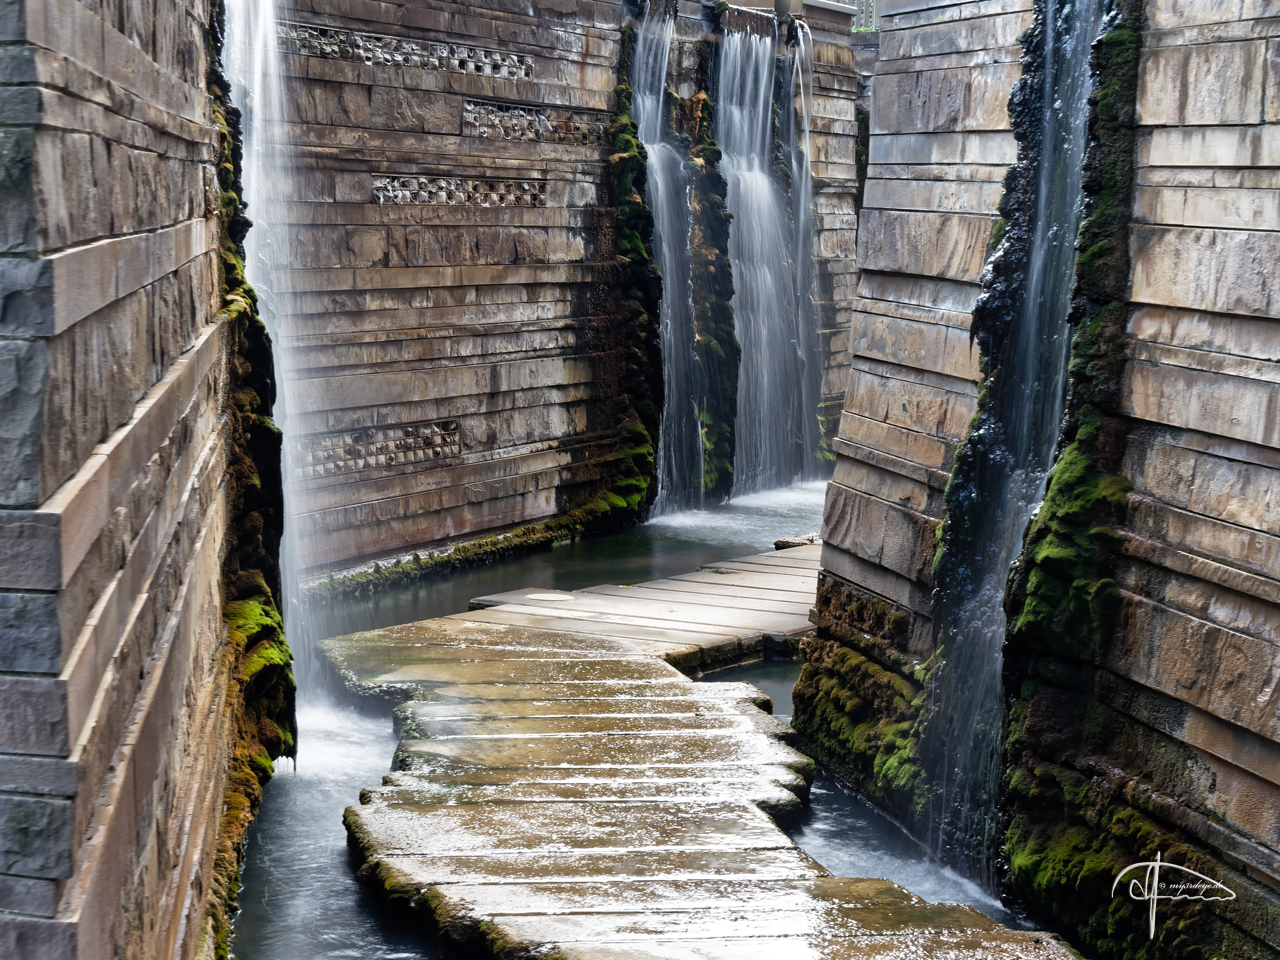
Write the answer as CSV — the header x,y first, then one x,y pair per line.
x,y
300,899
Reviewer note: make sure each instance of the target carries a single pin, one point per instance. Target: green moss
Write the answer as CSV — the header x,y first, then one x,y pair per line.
x,y
859,703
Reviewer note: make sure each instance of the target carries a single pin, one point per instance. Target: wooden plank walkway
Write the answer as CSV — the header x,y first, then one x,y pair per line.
x,y
562,790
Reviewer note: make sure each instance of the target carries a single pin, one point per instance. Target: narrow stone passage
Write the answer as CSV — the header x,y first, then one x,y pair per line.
x,y
562,789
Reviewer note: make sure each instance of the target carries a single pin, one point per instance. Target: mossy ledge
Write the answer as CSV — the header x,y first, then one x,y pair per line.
x,y
1087,789
256,658
858,705
635,287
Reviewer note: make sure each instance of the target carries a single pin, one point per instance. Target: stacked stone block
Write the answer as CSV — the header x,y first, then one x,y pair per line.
x,y
449,225
112,368
940,144
841,75
1199,651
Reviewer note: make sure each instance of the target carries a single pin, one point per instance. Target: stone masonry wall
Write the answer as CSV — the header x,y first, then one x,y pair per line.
x,y
115,721
940,145
451,333
1149,722
1141,661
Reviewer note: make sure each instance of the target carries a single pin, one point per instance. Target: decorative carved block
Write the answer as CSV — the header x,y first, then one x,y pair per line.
x,y
481,118
378,49
330,454
457,191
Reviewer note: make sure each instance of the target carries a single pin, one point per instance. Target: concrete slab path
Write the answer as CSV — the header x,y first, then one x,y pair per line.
x,y
562,790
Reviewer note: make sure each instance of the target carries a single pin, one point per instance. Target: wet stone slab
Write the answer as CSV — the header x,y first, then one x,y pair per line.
x,y
562,789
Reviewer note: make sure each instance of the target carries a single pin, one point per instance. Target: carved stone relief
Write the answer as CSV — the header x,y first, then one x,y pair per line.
x,y
481,118
377,49
460,190
330,454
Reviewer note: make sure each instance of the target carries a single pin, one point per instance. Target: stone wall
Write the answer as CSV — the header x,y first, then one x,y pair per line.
x,y
1141,656
116,719
1146,718
940,145
452,335
454,330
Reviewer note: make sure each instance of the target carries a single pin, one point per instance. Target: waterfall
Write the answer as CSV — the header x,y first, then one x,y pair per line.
x,y
1015,441
780,374
796,119
680,448
251,62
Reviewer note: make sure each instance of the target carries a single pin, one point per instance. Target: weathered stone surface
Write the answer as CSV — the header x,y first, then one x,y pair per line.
x,y
114,384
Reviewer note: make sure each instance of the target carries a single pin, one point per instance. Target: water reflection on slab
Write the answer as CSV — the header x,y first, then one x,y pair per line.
x,y
845,833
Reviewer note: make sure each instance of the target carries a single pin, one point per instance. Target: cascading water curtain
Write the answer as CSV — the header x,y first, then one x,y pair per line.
x,y
1013,444
680,447
779,379
253,66
796,118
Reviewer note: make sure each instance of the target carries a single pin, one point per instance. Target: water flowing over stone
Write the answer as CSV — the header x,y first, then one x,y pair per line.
x,y
257,89
779,380
1016,440
680,448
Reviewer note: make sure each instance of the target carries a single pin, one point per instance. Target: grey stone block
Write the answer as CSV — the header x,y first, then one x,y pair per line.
x,y
39,898
30,637
47,775
24,373
35,837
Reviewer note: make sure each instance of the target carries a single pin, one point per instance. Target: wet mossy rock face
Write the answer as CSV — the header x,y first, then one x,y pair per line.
x,y
715,340
262,725
859,704
1088,790
632,292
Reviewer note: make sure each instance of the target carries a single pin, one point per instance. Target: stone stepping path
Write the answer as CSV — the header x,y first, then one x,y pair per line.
x,y
562,790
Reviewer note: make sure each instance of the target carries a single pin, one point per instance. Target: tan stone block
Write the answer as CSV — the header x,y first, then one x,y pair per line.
x,y
1233,209
1214,84
902,401
890,536
951,246
948,196
933,101
980,33
1239,547
1171,14
1225,271
925,346
1210,146
895,440
884,484
1243,494
1227,674
1213,332
1209,402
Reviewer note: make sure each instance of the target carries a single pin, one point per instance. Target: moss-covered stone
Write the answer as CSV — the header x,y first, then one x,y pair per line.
x,y
635,289
858,705
1087,789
